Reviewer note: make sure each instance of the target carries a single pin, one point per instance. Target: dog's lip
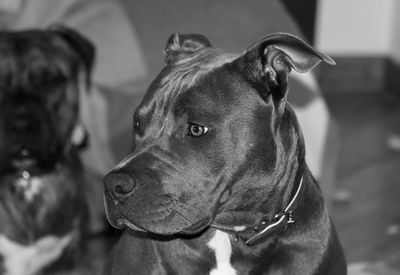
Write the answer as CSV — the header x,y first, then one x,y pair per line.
x,y
121,223
23,162
197,227
193,229
23,157
109,198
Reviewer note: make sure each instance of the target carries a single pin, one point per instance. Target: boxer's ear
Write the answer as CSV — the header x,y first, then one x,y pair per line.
x,y
81,45
79,136
268,62
180,46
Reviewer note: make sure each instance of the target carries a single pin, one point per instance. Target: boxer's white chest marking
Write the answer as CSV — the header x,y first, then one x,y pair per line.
x,y
222,247
29,259
31,186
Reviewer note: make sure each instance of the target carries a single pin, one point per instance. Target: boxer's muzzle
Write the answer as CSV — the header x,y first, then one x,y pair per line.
x,y
29,129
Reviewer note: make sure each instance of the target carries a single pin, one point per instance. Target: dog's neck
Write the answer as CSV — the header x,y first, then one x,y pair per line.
x,y
309,210
291,171
274,190
221,252
290,167
266,228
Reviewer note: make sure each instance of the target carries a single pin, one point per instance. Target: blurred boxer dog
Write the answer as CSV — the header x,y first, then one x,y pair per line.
x,y
42,204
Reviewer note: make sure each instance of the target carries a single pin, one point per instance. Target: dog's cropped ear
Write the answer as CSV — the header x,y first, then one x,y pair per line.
x,y
268,62
180,46
81,45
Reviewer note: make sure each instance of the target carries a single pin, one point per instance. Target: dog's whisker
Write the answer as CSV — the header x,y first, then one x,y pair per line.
x,y
190,207
182,215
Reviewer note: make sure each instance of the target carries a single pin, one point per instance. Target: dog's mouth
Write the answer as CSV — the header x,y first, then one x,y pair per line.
x,y
23,159
191,230
26,159
23,163
197,227
122,223
172,224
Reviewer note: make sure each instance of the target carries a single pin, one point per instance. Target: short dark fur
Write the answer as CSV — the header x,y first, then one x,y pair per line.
x,y
41,72
177,189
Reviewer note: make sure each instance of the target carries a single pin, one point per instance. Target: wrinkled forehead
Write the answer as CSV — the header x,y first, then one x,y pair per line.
x,y
34,57
179,77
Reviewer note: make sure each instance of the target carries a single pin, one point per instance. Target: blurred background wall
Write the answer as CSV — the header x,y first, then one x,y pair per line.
x,y
359,27
364,37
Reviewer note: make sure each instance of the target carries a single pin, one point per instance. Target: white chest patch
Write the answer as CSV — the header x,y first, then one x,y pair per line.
x,y
30,259
31,186
222,247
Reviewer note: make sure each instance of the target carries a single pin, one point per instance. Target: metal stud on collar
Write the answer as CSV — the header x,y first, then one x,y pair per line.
x,y
289,215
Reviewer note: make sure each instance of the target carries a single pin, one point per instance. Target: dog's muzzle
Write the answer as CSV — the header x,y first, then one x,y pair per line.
x,y
28,135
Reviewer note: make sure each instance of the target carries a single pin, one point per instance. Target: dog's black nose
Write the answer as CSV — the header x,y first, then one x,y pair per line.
x,y
119,184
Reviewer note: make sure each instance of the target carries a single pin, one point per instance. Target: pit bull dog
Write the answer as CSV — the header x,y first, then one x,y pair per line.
x,y
217,182
42,203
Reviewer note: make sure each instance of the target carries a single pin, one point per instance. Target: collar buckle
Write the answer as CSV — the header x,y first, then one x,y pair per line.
x,y
290,218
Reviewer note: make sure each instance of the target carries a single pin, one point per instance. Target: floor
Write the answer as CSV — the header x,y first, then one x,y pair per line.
x,y
366,211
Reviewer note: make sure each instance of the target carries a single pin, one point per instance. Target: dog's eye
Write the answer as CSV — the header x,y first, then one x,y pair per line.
x,y
136,121
136,124
196,130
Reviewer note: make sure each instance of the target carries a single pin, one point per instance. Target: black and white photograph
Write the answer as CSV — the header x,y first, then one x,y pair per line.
x,y
199,137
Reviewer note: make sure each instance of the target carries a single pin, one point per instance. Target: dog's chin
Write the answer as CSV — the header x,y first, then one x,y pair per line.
x,y
166,225
166,229
197,227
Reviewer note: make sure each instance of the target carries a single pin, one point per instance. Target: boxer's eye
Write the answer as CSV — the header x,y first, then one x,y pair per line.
x,y
196,130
